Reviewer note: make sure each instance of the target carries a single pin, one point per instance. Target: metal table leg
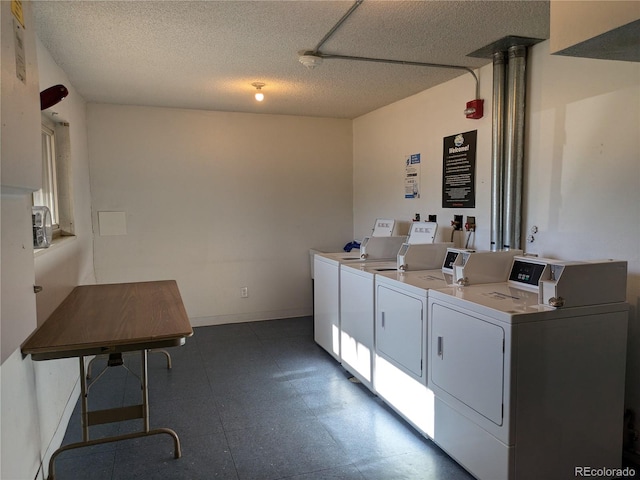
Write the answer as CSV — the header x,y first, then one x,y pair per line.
x,y
119,414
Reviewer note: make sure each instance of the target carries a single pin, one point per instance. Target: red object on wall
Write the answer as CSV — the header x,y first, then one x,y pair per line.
x,y
52,95
475,109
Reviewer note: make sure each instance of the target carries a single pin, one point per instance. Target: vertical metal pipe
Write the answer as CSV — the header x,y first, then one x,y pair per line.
x,y
497,150
514,146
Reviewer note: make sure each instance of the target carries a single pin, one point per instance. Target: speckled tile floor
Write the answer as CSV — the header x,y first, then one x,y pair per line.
x,y
251,401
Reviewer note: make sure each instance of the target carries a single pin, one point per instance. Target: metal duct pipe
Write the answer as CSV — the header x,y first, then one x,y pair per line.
x,y
514,147
497,150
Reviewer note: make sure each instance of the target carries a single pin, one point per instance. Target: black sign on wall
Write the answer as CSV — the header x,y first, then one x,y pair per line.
x,y
459,170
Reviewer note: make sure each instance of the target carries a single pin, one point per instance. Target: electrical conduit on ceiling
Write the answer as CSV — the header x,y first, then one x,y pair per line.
x,y
509,56
313,58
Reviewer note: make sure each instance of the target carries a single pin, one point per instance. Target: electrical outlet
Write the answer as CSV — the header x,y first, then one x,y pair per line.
x,y
433,218
244,292
457,222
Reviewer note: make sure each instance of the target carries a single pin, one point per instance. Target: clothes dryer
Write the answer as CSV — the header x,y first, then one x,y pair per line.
x,y
524,390
400,353
357,310
401,342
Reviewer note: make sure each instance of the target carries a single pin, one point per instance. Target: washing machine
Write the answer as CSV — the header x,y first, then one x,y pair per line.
x,y
400,375
528,374
357,298
326,284
326,301
356,317
378,249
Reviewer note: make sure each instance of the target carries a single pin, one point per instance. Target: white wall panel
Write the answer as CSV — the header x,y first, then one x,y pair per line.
x,y
220,201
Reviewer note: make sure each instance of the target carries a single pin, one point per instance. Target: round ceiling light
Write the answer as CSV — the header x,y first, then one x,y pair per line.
x,y
259,96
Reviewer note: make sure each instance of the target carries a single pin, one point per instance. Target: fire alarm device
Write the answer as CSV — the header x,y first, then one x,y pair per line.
x,y
475,109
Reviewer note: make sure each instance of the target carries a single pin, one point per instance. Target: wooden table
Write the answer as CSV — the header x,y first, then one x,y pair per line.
x,y
113,319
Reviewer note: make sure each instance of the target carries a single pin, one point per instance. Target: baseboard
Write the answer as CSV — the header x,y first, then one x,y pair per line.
x,y
249,317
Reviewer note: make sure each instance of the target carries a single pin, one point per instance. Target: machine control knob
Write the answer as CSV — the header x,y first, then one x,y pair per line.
x,y
556,302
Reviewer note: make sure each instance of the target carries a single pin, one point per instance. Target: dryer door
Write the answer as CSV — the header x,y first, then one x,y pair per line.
x,y
467,360
400,330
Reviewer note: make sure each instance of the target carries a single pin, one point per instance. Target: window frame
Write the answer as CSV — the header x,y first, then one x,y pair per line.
x,y
48,195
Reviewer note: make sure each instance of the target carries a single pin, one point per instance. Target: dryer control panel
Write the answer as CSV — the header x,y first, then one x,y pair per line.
x,y
528,272
579,284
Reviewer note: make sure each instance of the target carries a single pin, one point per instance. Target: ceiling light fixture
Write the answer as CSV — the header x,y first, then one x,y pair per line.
x,y
259,95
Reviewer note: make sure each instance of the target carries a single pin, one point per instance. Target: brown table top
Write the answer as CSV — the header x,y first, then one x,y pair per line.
x,y
110,318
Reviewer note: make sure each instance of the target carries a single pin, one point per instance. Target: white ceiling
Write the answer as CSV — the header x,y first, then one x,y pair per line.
x,y
205,54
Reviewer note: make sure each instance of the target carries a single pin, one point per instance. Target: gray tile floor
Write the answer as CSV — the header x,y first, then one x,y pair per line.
x,y
252,401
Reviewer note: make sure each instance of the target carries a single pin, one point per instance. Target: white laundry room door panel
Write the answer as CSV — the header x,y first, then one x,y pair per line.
x,y
467,360
400,329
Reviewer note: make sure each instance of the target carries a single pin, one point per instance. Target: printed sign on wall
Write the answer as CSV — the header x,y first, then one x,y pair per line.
x,y
459,170
412,176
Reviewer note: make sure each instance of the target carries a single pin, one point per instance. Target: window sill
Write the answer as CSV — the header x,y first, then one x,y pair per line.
x,y
55,244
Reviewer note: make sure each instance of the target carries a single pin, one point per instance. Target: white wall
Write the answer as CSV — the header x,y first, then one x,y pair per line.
x,y
38,397
219,201
20,444
582,165
418,124
583,172
67,264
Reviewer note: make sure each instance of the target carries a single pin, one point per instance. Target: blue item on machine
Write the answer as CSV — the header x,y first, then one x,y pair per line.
x,y
351,245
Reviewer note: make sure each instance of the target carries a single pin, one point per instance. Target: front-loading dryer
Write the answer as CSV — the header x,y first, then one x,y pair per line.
x,y
400,375
401,340
524,390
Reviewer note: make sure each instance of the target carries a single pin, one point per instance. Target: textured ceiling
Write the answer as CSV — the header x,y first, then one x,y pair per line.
x,y
205,54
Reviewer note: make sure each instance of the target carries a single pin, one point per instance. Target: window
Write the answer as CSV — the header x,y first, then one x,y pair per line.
x,y
48,195
56,180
